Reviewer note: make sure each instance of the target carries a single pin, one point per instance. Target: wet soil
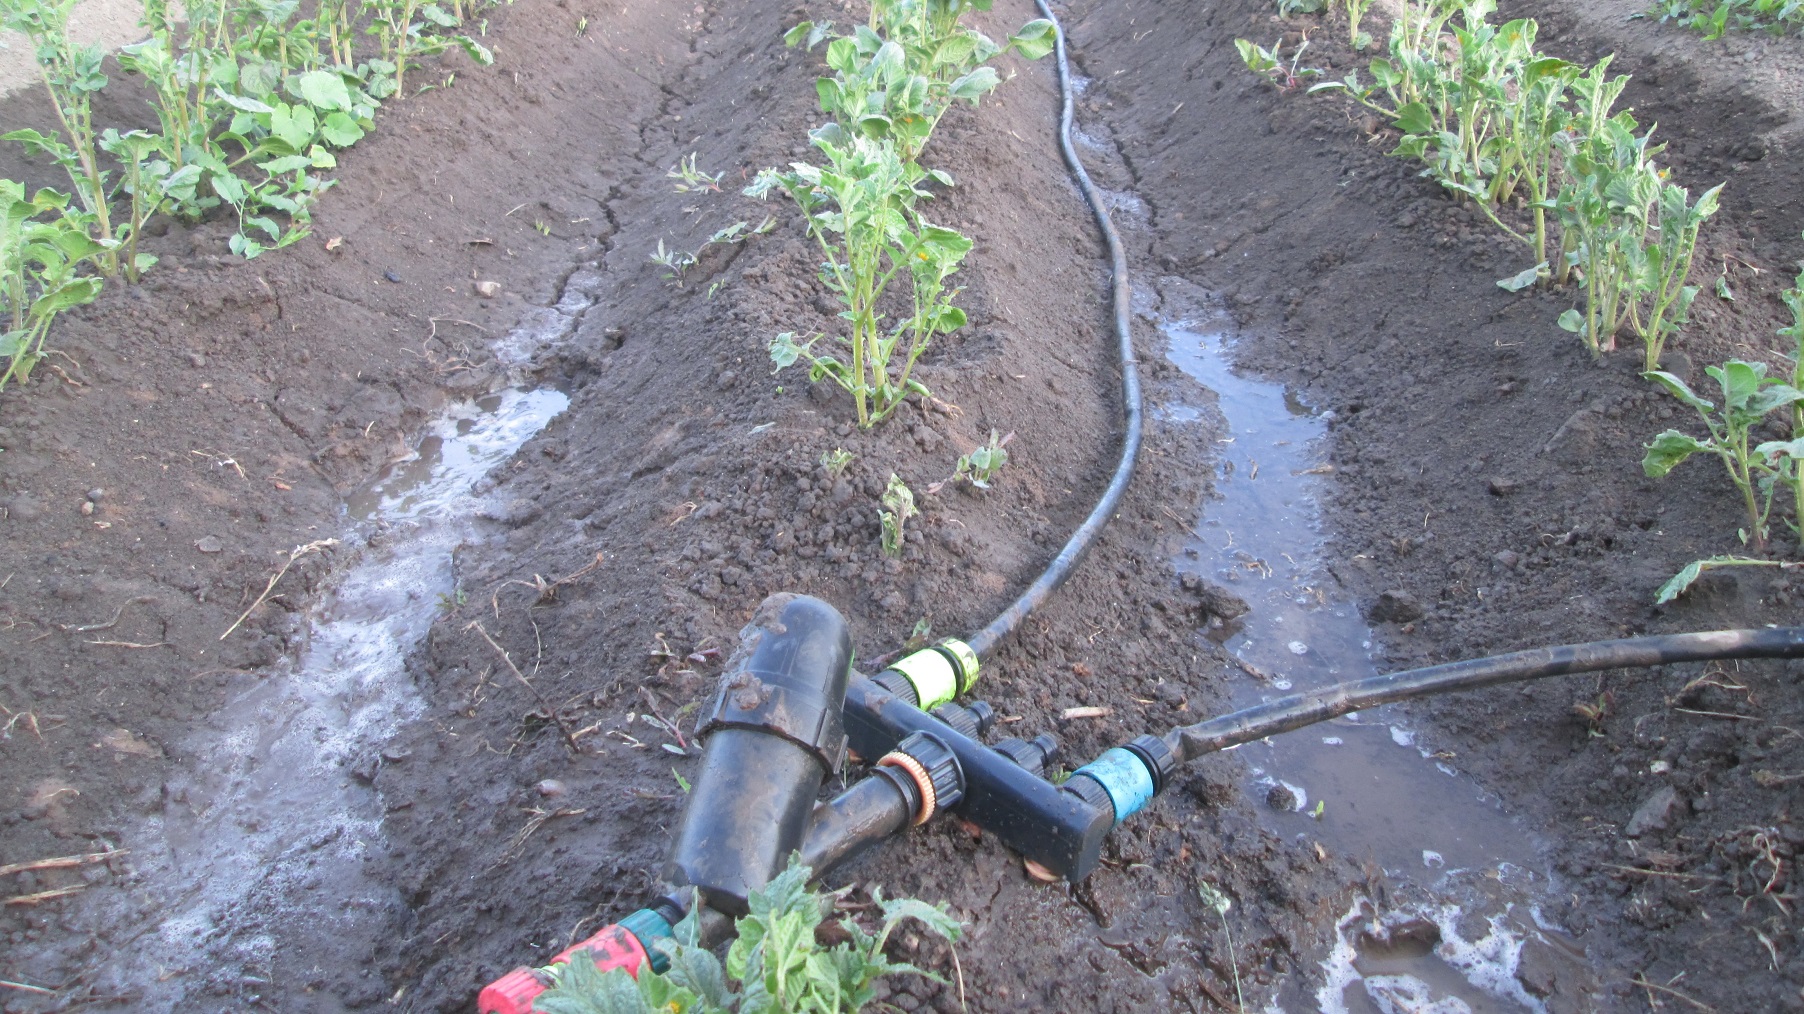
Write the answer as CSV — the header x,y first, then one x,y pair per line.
x,y
1484,473
1487,494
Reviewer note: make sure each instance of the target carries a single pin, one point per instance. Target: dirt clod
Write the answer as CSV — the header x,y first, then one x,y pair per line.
x,y
1394,606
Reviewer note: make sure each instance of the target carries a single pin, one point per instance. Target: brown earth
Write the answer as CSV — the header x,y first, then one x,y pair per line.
x,y
227,408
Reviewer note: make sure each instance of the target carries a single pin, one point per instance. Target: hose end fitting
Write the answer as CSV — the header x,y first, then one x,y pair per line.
x,y
973,721
934,770
1033,755
627,944
1157,757
934,676
1125,778
964,659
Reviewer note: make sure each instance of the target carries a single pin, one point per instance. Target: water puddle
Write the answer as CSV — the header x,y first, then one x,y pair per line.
x,y
1358,784
275,818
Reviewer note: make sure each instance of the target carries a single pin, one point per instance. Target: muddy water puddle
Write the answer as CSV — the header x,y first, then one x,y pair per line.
x,y
276,818
1464,880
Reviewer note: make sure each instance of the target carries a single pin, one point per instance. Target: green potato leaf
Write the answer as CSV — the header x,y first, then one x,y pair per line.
x,y
1669,449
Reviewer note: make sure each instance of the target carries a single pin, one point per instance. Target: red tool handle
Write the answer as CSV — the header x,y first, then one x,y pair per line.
x,y
514,993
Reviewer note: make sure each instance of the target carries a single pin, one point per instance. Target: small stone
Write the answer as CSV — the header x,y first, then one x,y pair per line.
x,y
726,379
209,544
1654,814
1281,798
87,508
488,289
1395,607
391,276
1509,558
96,495
1500,486
197,359
550,788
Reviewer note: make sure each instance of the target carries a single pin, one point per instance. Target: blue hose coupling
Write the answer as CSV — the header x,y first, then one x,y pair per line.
x,y
1124,776
1131,775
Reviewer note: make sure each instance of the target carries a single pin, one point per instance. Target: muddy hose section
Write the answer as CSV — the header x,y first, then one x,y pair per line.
x,y
1299,710
984,642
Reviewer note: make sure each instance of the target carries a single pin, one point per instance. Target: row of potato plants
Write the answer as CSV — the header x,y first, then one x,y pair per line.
x,y
1521,134
1716,18
1535,143
252,99
885,262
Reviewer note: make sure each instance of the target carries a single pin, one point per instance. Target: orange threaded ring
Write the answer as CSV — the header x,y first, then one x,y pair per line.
x,y
924,782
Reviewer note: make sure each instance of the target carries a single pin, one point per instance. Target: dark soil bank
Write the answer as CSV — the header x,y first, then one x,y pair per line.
x,y
1488,471
1485,471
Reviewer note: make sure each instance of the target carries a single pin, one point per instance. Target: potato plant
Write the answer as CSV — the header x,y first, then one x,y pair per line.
x,y
1758,476
72,77
776,960
1788,456
1501,124
896,76
1748,396
1716,18
43,243
862,209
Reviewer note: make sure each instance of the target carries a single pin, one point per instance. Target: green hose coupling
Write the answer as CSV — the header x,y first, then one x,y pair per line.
x,y
932,676
648,926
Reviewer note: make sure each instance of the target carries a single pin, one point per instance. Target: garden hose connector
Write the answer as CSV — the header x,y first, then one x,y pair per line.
x,y
1129,776
630,944
972,720
1032,755
932,676
934,770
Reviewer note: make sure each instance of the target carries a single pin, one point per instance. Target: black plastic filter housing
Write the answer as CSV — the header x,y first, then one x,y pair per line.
x,y
775,733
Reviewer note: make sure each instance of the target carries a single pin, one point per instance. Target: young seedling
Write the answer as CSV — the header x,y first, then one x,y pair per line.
x,y
1270,63
678,262
836,461
1748,395
1215,899
776,960
1594,712
692,180
980,466
900,501
920,636
1681,582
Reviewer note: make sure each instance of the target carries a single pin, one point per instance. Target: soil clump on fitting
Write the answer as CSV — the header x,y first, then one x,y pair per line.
x,y
1485,495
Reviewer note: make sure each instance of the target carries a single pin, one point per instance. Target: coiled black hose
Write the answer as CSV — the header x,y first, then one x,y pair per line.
x,y
984,642
1298,710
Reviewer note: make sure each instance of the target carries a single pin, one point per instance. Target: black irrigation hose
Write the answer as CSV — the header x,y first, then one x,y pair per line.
x,y
984,642
1298,710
